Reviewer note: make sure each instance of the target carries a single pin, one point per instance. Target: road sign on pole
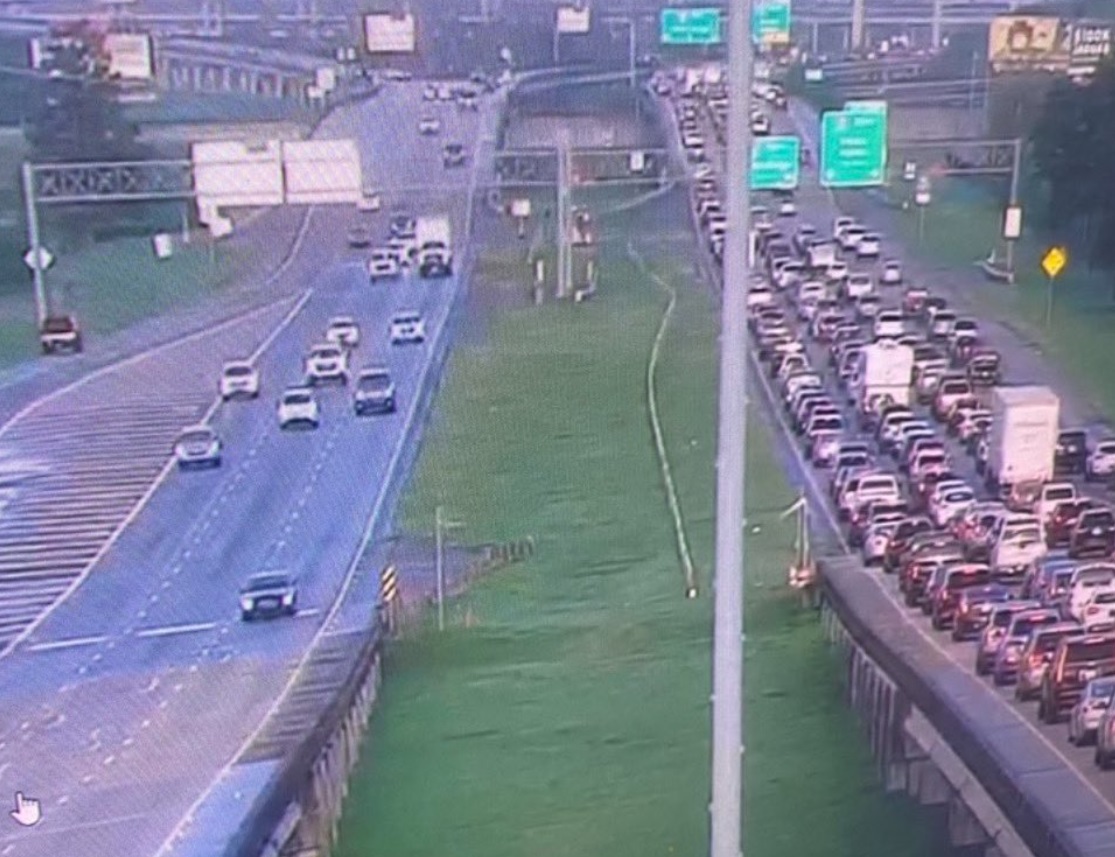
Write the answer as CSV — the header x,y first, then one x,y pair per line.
x,y
691,26
770,22
38,261
775,163
1054,261
854,145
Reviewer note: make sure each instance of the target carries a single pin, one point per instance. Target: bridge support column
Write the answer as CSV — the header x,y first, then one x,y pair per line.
x,y
858,23
964,827
226,79
927,784
815,37
935,24
195,78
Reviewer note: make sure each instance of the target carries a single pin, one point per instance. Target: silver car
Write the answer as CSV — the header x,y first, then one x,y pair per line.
x,y
1084,719
198,446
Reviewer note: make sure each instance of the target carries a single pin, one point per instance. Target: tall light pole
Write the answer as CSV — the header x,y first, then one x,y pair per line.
x,y
726,809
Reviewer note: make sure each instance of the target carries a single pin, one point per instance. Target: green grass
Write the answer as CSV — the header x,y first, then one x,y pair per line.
x,y
963,224
565,709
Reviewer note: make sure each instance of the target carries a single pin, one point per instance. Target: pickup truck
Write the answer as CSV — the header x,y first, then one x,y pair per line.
x,y
60,333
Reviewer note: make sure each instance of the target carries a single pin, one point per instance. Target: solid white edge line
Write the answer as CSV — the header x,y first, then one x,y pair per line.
x,y
170,630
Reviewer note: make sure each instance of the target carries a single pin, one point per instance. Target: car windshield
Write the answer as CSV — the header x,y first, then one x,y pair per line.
x,y
197,436
406,319
268,581
374,381
238,370
298,398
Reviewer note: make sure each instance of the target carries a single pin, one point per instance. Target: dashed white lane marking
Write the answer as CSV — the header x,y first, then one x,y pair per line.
x,y
169,630
68,643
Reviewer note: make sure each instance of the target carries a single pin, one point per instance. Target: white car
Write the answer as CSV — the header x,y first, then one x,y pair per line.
x,y
869,246
787,207
859,286
239,378
950,505
892,273
298,407
407,327
429,92
889,324
383,264
1101,461
759,295
343,331
850,237
837,272
370,201
326,362
429,125
197,446
839,224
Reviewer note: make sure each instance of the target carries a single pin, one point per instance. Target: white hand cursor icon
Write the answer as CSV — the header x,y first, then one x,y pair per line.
x,y
27,812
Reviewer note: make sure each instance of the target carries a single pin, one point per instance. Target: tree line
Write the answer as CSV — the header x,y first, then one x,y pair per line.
x,y
1072,146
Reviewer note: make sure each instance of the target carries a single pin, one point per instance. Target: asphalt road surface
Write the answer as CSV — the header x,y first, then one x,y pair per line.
x,y
1022,365
129,685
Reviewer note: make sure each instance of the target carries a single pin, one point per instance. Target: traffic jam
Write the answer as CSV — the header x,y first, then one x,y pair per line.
x,y
940,472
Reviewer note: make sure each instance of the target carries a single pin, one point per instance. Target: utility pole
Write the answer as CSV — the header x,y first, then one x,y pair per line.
x,y
859,14
42,308
935,24
439,568
1015,173
726,809
563,253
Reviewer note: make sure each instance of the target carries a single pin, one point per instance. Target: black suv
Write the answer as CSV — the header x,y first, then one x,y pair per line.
x,y
272,593
1071,454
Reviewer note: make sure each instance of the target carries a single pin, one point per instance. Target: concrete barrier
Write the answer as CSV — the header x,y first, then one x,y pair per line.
x,y
942,735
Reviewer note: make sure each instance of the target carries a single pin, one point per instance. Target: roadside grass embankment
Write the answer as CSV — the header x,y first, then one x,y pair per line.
x,y
564,711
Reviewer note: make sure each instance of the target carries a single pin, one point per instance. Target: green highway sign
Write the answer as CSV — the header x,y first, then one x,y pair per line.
x,y
775,163
770,22
686,26
854,145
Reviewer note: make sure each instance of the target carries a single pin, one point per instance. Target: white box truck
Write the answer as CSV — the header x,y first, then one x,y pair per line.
x,y
1022,440
434,242
885,376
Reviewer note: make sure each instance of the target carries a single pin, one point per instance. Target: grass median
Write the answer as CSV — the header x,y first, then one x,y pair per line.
x,y
564,711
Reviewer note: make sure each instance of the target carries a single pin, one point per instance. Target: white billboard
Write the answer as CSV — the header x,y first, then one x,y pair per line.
x,y
322,171
571,19
389,34
233,173
129,56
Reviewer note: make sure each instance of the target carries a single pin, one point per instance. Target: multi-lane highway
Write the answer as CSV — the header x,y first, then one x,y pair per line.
x,y
128,685
1071,771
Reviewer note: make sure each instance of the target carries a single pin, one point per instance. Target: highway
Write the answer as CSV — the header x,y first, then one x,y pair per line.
x,y
129,686
1074,772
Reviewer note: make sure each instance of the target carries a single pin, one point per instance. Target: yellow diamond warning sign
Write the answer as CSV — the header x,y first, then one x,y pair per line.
x,y
1054,261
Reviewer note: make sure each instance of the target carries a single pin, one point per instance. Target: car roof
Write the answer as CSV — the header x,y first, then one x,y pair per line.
x,y
374,370
273,578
